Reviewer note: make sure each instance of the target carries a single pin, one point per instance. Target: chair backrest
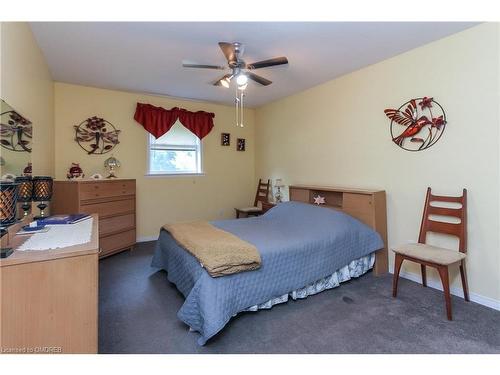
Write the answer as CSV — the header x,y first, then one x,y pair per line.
x,y
262,192
455,229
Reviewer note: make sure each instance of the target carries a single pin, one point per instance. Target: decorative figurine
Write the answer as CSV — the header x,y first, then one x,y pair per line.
x,y
319,200
9,177
96,176
27,171
111,163
75,172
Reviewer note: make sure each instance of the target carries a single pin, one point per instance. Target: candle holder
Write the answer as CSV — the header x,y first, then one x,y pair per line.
x,y
8,203
42,192
25,193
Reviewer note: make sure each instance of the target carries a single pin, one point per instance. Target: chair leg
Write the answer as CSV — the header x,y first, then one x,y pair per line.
x,y
443,273
397,267
424,275
463,275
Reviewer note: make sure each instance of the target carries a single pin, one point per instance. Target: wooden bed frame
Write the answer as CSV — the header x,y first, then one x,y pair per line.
x,y
367,206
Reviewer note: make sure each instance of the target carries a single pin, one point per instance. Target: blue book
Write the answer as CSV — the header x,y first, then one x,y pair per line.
x,y
62,219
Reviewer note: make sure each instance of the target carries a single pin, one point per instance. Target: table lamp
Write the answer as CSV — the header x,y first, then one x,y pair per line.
x,y
25,192
111,163
8,203
278,184
42,192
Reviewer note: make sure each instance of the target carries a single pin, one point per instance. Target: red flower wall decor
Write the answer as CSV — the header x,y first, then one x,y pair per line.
x,y
417,124
96,135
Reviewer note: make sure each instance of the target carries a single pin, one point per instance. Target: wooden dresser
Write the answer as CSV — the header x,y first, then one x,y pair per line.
x,y
113,200
368,206
48,298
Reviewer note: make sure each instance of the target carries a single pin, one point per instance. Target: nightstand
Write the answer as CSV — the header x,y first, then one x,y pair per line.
x,y
266,206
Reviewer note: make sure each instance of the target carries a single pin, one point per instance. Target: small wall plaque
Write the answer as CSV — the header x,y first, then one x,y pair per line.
x,y
225,139
240,144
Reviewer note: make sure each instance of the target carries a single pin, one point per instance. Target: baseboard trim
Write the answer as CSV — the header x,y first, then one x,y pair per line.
x,y
474,297
146,238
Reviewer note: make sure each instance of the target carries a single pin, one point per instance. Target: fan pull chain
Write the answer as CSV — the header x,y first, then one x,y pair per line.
x,y
237,103
242,95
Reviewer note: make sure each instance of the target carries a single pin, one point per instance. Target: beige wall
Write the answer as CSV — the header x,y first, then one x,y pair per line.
x,y
337,134
27,86
333,134
229,175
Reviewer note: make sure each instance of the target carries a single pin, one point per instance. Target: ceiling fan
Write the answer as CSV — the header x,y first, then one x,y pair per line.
x,y
239,68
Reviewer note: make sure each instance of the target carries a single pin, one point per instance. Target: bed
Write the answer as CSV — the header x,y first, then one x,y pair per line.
x,y
286,237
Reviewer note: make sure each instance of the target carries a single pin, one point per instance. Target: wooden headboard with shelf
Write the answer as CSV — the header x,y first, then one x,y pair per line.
x,y
367,206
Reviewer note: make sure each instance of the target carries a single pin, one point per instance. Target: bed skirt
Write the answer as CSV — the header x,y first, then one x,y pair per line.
x,y
356,268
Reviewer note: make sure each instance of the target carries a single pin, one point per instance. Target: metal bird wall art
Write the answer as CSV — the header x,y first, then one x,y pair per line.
x,y
416,127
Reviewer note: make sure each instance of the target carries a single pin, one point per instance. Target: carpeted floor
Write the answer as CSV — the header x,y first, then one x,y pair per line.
x,y
138,307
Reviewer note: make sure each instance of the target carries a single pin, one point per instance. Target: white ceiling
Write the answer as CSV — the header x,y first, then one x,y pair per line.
x,y
147,56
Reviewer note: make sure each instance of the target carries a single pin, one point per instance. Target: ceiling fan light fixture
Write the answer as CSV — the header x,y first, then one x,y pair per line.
x,y
241,80
225,82
242,87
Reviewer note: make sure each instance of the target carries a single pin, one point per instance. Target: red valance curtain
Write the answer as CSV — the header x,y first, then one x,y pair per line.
x,y
158,120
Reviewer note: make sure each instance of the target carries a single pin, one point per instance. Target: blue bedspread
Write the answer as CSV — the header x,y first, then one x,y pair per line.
x,y
298,244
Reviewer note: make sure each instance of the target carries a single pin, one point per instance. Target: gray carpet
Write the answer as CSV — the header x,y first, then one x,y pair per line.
x,y
138,306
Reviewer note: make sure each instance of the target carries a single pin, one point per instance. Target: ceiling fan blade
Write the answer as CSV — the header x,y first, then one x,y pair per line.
x,y
258,79
204,66
218,82
228,51
265,63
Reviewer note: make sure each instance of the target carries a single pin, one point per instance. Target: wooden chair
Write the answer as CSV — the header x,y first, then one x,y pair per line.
x,y
433,256
260,196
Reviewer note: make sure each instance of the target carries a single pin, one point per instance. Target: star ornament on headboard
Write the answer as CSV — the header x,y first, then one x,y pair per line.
x,y
319,200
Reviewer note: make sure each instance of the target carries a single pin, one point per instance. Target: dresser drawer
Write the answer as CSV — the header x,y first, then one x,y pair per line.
x,y
116,223
106,209
106,189
118,241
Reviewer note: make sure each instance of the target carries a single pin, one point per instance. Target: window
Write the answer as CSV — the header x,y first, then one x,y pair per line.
x,y
176,152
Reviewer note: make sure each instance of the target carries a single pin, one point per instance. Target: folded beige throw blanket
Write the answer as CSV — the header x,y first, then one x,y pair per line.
x,y
220,252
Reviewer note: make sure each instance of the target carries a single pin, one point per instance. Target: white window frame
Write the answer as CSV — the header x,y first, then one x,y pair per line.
x,y
199,158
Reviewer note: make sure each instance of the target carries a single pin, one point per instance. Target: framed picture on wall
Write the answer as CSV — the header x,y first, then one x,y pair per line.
x,y
225,139
240,144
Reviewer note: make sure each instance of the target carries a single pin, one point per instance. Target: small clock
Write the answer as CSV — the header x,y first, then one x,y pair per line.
x,y
225,139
